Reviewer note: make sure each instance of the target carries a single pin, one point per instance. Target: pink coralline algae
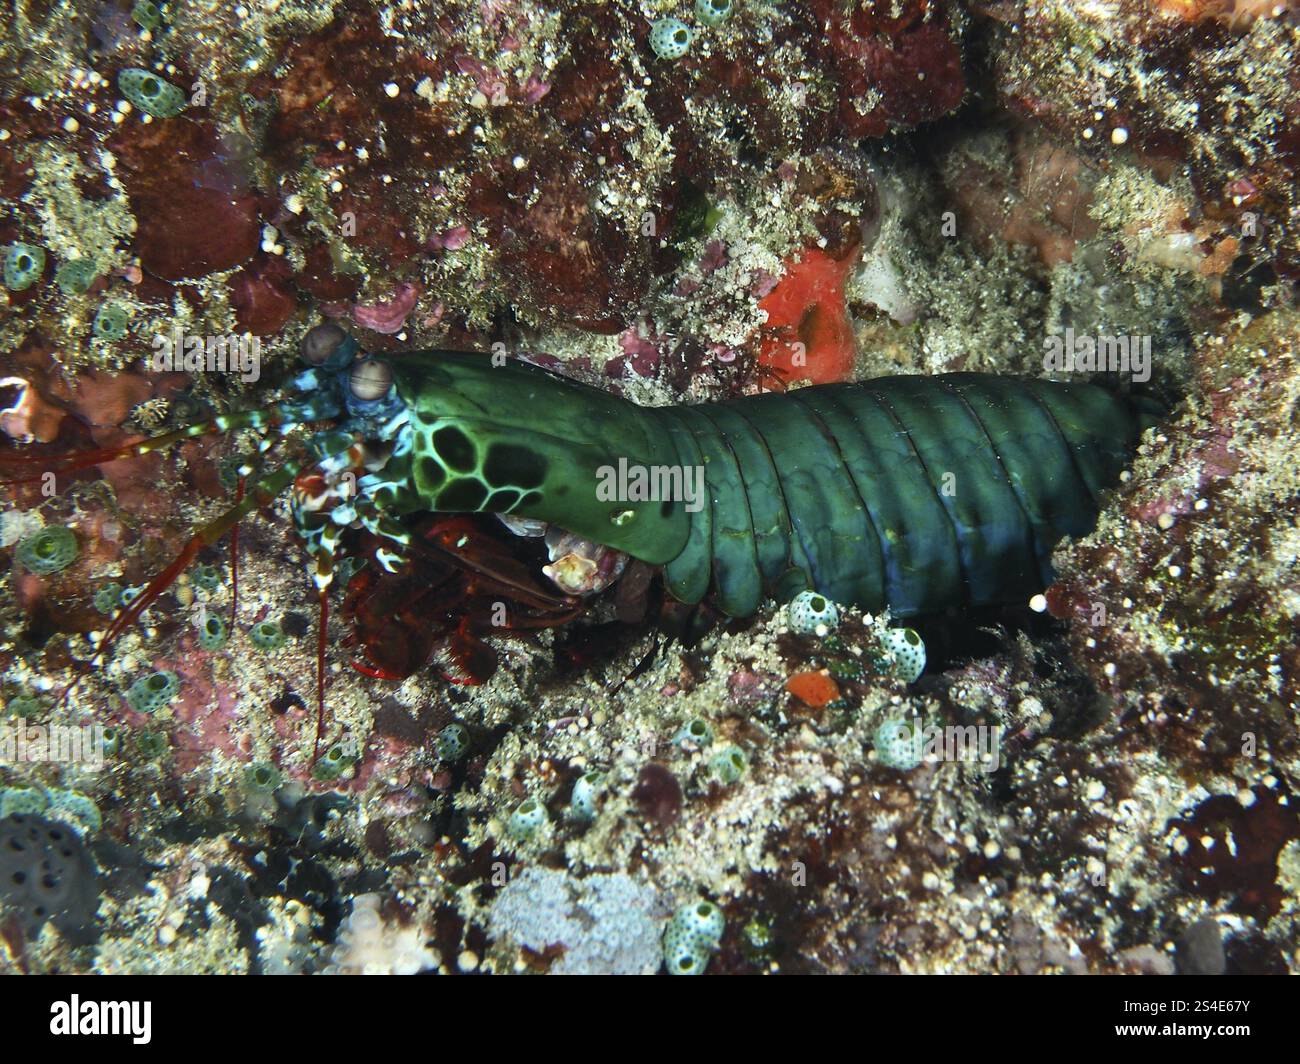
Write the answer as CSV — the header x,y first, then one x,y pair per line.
x,y
497,88
207,715
641,354
388,316
452,239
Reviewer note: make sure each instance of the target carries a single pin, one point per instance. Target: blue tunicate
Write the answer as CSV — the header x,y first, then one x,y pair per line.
x,y
896,745
112,741
152,744
47,550
812,613
24,265
702,918
150,693
334,762
528,817
152,94
108,598
267,635
586,792
695,732
212,632
692,937
146,15
111,322
262,778
452,742
205,577
908,651
728,765
76,276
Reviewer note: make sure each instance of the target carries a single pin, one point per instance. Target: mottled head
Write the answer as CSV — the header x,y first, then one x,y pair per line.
x,y
514,439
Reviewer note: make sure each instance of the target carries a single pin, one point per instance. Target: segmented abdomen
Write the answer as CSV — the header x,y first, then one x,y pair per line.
x,y
915,493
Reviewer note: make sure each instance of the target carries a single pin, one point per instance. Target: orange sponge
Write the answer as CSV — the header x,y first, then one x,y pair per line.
x,y
813,688
808,335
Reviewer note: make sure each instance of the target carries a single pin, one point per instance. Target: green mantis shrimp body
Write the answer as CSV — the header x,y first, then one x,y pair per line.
x,y
912,493
915,493
909,493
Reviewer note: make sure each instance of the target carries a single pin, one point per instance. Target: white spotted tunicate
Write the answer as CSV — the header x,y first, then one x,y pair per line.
x,y
671,38
586,791
812,613
896,745
691,937
713,12
908,652
527,819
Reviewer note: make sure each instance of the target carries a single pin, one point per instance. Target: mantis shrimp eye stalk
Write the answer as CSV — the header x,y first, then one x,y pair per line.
x,y
370,380
321,343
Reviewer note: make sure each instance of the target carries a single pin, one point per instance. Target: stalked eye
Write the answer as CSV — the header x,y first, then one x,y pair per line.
x,y
321,342
371,379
